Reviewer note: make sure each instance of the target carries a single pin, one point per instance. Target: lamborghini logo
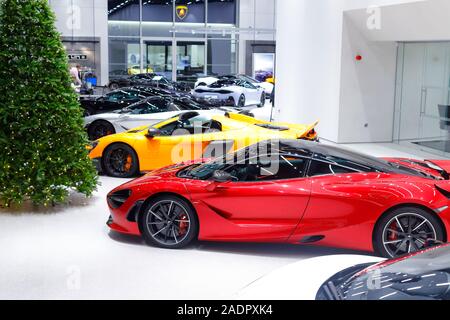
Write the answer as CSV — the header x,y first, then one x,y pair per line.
x,y
182,12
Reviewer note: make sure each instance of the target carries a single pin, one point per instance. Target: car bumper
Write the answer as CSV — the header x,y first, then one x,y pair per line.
x,y
216,101
124,219
97,162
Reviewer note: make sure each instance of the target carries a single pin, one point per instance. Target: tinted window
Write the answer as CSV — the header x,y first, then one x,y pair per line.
x,y
283,168
346,162
319,168
150,106
275,167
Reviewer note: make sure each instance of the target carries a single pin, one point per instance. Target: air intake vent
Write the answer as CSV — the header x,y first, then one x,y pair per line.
x,y
312,239
117,199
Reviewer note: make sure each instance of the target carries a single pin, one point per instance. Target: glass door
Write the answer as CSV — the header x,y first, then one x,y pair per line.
x,y
159,58
191,60
423,102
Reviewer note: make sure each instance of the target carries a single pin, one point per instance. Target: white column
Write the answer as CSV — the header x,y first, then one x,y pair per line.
x,y
309,36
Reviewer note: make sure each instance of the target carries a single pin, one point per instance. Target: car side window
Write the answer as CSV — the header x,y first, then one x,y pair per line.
x,y
319,168
151,106
278,167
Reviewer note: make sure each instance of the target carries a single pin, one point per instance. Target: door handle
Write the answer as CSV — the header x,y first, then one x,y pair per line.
x,y
423,101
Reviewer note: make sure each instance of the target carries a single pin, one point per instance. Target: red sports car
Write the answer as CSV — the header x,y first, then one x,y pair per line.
x,y
296,192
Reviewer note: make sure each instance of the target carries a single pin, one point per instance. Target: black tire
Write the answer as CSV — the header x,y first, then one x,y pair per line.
x,y
120,161
406,230
241,102
201,84
99,129
169,222
263,100
113,86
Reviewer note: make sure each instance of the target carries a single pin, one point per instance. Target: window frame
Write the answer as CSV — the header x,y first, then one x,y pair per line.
x,y
302,177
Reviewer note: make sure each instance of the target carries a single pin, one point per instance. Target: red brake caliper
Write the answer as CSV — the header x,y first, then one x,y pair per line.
x,y
183,224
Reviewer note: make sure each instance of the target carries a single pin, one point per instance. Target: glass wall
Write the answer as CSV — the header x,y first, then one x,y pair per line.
x,y
181,39
423,96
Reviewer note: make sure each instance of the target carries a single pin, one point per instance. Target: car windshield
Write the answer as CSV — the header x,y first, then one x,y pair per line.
x,y
425,276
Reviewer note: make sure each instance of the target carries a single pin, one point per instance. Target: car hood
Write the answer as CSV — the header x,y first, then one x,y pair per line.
x,y
301,280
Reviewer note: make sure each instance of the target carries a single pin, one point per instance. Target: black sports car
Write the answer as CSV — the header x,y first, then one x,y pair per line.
x,y
118,99
149,80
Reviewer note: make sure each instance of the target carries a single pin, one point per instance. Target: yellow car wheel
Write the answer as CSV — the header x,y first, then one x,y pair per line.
x,y
120,161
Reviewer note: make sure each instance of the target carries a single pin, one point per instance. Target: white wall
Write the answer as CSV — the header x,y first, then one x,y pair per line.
x,y
318,77
89,20
255,14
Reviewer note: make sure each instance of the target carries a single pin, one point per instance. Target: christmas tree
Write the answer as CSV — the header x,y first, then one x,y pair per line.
x,y
42,141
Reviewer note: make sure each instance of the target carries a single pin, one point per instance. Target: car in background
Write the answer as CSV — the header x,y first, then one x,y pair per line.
x,y
298,192
268,87
116,75
231,92
117,99
149,80
423,275
149,148
143,113
137,70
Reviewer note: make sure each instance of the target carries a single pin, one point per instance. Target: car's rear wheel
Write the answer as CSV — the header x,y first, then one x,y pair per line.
x,y
99,129
169,222
406,230
241,102
120,161
263,100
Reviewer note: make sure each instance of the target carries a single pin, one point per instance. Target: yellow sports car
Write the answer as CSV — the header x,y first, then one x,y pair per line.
x,y
134,70
186,137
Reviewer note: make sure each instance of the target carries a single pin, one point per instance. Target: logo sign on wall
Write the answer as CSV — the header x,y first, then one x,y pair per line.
x,y
77,57
182,12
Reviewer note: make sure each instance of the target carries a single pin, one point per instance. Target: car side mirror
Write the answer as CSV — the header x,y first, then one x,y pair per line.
x,y
221,176
153,132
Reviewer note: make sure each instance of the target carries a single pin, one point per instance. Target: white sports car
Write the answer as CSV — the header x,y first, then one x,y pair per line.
x,y
231,92
268,87
146,112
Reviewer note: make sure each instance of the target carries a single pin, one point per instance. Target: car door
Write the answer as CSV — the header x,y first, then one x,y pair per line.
x,y
266,202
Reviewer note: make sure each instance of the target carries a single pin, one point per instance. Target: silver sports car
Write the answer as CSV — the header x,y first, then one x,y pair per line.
x,y
231,92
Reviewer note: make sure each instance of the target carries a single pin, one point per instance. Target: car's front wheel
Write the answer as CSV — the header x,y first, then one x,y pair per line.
x,y
406,230
120,161
241,101
169,222
263,100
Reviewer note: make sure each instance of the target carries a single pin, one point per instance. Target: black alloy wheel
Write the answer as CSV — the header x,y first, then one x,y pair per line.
x,y
169,222
241,102
405,231
263,100
120,161
99,129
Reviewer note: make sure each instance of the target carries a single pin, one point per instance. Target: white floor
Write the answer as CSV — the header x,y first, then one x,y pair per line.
x,y
68,253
